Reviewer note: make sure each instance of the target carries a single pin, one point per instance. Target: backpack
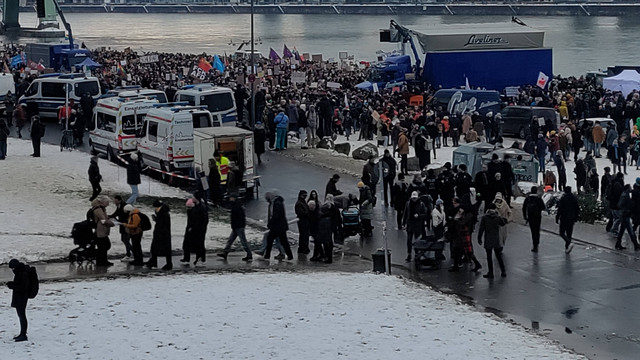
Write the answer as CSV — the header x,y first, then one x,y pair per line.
x,y
532,207
145,223
34,283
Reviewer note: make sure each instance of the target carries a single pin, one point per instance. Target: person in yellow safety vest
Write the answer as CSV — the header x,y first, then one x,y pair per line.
x,y
223,166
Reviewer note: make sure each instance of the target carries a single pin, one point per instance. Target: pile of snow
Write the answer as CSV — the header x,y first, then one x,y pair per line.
x,y
263,316
43,197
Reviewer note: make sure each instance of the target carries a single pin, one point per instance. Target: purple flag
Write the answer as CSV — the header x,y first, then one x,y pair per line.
x,y
286,53
273,55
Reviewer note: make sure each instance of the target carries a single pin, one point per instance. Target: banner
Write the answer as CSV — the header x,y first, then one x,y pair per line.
x,y
198,73
148,59
298,77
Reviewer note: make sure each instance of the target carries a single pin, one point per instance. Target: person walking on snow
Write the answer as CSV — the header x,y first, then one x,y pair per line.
x,y
195,232
567,215
94,178
238,224
133,178
20,295
161,242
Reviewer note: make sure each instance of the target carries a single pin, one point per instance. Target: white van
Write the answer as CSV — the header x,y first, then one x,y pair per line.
x,y
117,122
166,140
6,84
218,100
137,90
48,91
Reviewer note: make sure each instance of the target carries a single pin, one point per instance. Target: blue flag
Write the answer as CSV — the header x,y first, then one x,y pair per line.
x,y
217,63
16,60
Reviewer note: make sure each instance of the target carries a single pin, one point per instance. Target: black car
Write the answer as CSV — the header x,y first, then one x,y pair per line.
x,y
516,119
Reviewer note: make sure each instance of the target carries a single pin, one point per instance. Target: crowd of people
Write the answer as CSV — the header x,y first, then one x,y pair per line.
x,y
316,108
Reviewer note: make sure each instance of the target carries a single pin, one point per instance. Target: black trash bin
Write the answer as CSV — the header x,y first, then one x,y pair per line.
x,y
378,261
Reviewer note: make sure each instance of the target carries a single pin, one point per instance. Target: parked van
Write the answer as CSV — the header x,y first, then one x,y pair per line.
x,y
166,139
219,100
234,143
117,121
137,90
48,91
6,84
456,101
516,119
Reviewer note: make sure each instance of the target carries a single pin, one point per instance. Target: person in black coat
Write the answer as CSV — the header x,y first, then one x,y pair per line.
x,y
568,212
324,234
259,137
400,197
161,242
414,214
94,178
389,166
238,224
195,232
278,227
532,213
133,178
455,126
122,217
37,132
625,208
302,212
20,295
331,187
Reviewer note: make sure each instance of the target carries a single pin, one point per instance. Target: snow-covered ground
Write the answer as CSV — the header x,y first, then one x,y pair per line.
x,y
42,197
262,316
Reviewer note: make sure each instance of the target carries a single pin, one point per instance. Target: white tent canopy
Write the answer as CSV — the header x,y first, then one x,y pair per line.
x,y
626,81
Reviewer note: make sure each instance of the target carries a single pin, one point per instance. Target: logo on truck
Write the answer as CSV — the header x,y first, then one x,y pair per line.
x,y
481,40
458,106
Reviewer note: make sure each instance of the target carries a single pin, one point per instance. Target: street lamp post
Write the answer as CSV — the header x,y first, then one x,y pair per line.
x,y
253,75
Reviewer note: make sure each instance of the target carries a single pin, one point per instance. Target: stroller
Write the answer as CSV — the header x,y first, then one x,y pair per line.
x,y
83,236
351,222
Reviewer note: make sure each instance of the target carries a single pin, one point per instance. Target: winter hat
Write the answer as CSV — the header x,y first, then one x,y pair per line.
x,y
360,184
303,107
499,196
128,208
439,202
190,203
312,205
134,157
13,263
414,195
157,203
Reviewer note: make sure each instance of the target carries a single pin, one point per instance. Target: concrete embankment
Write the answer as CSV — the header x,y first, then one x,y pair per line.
x,y
632,9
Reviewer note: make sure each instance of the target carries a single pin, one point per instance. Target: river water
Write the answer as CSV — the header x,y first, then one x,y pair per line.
x,y
580,44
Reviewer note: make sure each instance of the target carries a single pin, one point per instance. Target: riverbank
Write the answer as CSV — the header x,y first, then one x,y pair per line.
x,y
537,9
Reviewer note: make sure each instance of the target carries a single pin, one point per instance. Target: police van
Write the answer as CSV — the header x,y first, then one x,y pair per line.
x,y
137,90
218,100
48,91
166,140
117,122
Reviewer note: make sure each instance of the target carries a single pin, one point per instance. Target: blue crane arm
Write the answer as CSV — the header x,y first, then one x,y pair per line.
x,y
407,37
67,26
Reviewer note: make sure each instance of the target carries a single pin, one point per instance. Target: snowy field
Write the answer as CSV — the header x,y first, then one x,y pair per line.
x,y
262,316
43,197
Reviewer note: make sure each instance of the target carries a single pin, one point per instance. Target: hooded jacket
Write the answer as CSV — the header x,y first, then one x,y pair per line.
x,y
491,226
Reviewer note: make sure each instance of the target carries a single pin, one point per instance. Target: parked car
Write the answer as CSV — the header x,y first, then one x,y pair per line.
x,y
604,122
516,119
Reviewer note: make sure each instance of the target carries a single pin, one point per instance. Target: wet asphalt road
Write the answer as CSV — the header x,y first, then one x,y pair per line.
x,y
586,300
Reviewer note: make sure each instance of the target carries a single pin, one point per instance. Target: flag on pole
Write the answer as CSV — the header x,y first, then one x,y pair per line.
x,y
121,71
542,80
226,60
466,83
204,64
299,56
286,53
217,64
273,55
17,60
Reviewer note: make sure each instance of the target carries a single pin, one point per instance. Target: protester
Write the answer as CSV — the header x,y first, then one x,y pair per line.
x,y
20,295
491,227
134,232
567,215
133,178
94,177
532,209
195,232
103,226
161,241
238,224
